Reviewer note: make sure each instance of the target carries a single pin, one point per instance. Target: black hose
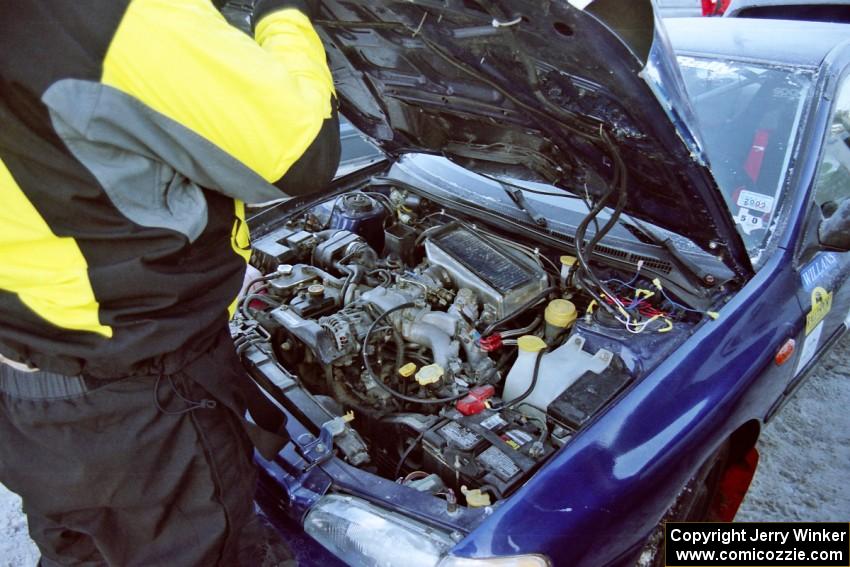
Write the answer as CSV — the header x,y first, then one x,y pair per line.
x,y
368,367
399,356
531,386
519,311
622,184
245,307
259,279
619,182
416,441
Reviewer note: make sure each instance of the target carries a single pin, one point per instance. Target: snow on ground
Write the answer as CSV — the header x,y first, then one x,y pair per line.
x,y
16,548
805,460
805,451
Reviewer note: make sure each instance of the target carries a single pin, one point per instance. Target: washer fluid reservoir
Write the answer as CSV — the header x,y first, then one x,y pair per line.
x,y
558,371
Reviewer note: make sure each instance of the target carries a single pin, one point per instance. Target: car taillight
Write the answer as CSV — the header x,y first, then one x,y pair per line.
x,y
714,7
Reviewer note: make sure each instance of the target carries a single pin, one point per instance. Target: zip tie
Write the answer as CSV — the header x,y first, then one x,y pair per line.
x,y
657,283
713,314
497,24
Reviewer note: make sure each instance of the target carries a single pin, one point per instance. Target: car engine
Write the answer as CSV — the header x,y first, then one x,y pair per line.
x,y
433,350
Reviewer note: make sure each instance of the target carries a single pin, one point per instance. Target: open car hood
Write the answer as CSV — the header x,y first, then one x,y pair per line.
x,y
522,88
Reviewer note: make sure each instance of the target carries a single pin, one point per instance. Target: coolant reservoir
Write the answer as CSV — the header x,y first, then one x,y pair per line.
x,y
558,371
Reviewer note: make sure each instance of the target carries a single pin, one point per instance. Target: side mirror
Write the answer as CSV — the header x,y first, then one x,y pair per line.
x,y
834,231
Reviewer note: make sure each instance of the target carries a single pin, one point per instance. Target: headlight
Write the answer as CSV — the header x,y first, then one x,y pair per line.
x,y
515,561
364,535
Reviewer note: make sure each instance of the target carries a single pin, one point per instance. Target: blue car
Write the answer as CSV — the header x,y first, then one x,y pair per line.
x,y
597,255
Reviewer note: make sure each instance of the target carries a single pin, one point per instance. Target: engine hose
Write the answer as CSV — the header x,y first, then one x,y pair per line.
x,y
583,252
535,374
399,356
368,367
519,311
524,330
416,441
245,306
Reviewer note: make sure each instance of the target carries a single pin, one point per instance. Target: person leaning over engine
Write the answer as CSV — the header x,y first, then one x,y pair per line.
x,y
132,132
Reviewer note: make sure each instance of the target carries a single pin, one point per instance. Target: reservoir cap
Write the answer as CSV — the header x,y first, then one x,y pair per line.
x,y
430,374
407,370
560,313
530,343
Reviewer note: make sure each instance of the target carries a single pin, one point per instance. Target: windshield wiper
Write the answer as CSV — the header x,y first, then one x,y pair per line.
x,y
522,204
691,269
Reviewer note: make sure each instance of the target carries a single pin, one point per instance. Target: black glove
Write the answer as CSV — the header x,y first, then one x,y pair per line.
x,y
263,8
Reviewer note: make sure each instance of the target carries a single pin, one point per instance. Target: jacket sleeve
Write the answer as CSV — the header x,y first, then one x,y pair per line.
x,y
266,104
274,21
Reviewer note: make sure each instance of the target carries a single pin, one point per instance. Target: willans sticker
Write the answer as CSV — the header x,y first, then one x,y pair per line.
x,y
820,271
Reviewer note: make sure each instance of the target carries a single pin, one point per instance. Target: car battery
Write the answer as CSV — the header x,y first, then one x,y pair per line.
x,y
497,449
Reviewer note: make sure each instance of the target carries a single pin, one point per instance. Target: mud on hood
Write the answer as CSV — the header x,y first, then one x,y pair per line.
x,y
522,88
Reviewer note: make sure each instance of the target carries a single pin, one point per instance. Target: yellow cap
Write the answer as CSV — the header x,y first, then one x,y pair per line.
x,y
429,374
568,260
475,498
560,313
407,370
530,343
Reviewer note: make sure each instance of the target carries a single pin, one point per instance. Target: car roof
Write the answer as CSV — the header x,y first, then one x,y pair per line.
x,y
802,43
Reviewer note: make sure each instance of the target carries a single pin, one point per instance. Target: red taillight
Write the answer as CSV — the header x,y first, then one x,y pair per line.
x,y
785,352
714,7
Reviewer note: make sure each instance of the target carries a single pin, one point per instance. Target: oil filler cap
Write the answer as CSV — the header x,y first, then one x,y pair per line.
x,y
430,374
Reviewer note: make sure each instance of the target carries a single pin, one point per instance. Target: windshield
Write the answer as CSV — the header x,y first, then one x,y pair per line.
x,y
749,115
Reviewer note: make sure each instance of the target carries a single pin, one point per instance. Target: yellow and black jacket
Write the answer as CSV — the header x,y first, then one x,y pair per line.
x,y
131,134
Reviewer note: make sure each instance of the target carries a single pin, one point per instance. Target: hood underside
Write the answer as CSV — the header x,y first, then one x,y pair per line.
x,y
524,89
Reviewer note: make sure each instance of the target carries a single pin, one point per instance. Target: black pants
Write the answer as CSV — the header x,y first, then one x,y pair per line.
x,y
127,472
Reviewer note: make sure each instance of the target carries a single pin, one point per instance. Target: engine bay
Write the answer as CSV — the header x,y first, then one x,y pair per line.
x,y
446,355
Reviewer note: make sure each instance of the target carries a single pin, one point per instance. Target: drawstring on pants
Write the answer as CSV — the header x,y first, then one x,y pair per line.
x,y
191,405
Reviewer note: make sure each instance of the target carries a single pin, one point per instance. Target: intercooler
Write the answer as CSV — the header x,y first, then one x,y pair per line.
x,y
500,276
